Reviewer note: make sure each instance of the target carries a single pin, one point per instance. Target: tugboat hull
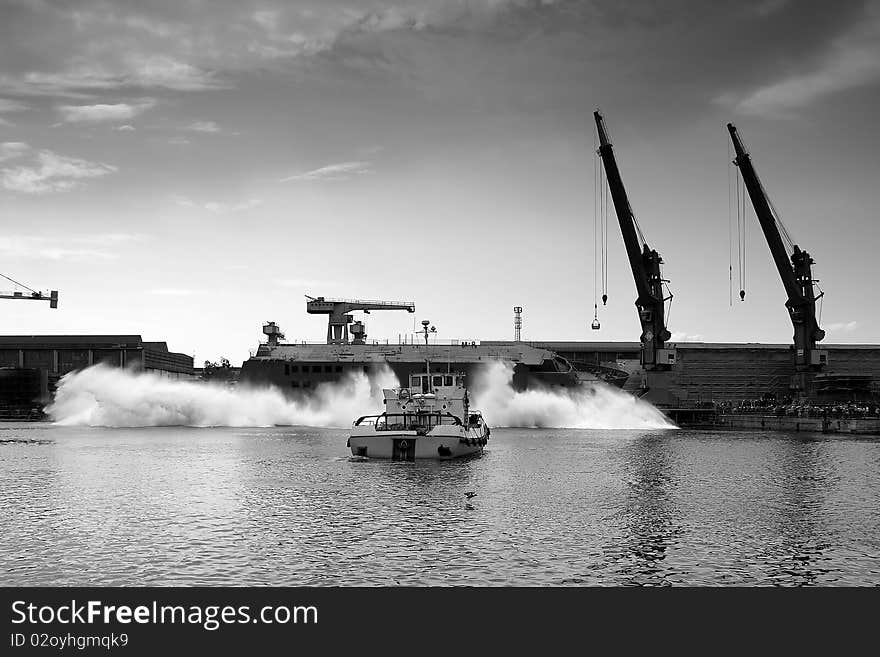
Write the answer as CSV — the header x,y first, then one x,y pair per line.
x,y
412,445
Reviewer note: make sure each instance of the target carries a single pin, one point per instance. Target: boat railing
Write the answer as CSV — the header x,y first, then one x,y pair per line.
x,y
407,421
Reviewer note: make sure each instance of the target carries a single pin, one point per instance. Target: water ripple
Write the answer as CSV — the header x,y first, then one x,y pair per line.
x,y
177,506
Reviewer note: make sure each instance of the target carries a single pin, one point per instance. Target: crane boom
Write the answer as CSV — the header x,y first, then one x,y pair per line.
x,y
339,319
795,271
52,297
644,262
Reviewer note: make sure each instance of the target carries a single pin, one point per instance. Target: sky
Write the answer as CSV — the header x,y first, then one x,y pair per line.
x,y
187,170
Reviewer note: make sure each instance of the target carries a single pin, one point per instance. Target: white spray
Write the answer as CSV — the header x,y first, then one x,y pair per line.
x,y
112,397
593,406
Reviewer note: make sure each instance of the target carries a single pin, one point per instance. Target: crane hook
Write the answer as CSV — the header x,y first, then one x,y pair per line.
x,y
595,325
604,299
742,295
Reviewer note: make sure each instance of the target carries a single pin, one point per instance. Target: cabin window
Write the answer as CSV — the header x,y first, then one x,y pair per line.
x,y
294,368
448,381
316,368
366,369
286,369
294,384
328,368
438,380
338,368
416,381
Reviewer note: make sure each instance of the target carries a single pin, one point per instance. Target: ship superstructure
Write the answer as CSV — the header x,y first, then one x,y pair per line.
x,y
299,368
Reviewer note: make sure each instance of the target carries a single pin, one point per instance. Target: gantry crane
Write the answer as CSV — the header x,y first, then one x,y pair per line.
x,y
644,262
794,269
339,319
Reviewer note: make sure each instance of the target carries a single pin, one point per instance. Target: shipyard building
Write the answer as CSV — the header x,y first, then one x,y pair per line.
x,y
32,365
726,372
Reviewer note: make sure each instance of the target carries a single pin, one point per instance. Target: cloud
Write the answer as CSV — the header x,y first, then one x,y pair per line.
x,y
41,248
103,112
842,327
50,172
339,171
125,128
217,207
849,70
204,126
172,292
102,246
304,283
94,46
108,239
681,336
12,149
7,105
852,61
134,71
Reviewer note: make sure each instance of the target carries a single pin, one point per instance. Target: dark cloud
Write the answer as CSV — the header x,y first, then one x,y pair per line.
x,y
688,50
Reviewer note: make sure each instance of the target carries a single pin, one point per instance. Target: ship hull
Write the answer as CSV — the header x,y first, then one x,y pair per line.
x,y
297,370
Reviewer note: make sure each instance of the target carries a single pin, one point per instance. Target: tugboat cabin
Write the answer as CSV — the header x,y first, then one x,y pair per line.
x,y
427,383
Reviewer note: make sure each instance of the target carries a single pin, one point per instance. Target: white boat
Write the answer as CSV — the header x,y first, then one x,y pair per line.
x,y
429,419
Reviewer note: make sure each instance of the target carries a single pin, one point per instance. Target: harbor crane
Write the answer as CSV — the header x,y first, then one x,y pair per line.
x,y
644,261
794,266
339,319
33,295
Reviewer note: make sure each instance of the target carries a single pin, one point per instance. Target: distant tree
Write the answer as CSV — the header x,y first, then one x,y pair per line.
x,y
217,371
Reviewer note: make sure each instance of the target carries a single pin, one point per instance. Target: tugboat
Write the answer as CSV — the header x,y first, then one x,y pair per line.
x,y
429,419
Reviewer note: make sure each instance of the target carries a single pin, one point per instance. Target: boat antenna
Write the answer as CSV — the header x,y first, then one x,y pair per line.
x,y
427,331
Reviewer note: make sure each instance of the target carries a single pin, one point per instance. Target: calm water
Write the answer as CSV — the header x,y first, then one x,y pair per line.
x,y
285,506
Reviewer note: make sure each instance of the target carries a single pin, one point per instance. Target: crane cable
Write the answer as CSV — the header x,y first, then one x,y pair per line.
x,y
19,284
729,225
595,233
603,231
740,235
745,225
601,226
777,217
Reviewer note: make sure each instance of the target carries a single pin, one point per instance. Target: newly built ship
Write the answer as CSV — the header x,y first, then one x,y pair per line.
x,y
298,368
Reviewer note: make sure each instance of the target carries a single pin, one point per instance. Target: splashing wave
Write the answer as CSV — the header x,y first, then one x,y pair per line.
x,y
596,406
111,397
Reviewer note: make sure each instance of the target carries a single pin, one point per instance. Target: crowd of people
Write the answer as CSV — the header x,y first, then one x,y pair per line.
x,y
801,408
